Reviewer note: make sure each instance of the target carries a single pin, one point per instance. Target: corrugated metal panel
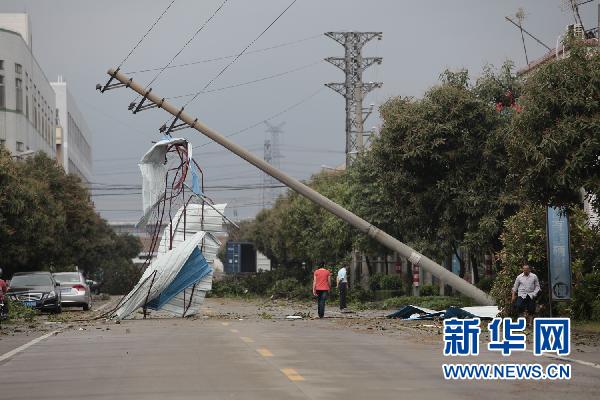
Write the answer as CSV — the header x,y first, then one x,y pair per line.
x,y
158,275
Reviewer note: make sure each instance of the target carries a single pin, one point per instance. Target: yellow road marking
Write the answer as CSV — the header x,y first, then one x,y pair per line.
x,y
247,339
264,352
225,323
234,331
292,374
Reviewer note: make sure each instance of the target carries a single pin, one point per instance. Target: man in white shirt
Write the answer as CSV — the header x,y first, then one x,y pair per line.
x,y
524,291
342,284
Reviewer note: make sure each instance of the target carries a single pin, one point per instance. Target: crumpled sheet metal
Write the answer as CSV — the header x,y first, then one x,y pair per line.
x,y
153,169
411,312
159,274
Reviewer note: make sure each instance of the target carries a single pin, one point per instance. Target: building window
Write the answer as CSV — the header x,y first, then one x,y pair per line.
x,y
18,69
19,95
2,142
20,147
1,64
2,100
27,102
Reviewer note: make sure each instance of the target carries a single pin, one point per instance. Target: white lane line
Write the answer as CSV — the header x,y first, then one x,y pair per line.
x,y
27,345
569,359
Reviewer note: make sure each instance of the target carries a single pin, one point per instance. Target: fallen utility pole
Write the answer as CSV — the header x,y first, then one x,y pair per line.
x,y
388,241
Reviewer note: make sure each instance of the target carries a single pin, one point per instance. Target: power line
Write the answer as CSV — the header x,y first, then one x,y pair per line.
x,y
208,60
187,43
240,54
249,82
146,34
285,110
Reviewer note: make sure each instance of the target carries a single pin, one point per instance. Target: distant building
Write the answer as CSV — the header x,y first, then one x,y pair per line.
x,y
73,139
27,100
35,114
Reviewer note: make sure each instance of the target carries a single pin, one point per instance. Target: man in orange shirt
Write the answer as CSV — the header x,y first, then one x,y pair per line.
x,y
321,287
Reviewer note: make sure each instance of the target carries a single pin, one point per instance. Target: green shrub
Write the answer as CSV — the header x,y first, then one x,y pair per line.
x,y
486,283
228,286
429,290
586,298
359,295
285,288
17,311
375,281
391,282
381,281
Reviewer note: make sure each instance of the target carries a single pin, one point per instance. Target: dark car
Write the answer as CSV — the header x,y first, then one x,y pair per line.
x,y
35,289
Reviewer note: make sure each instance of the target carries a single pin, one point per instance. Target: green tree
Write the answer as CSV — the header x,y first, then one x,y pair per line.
x,y
554,143
438,169
47,222
295,230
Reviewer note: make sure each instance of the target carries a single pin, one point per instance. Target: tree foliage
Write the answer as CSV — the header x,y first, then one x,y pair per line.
x,y
554,143
295,230
47,222
438,168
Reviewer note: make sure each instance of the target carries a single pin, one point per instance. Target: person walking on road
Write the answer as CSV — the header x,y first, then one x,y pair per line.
x,y
524,291
342,284
321,287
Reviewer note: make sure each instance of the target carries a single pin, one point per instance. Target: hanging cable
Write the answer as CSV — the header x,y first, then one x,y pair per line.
x,y
285,110
208,60
146,34
185,45
222,71
250,82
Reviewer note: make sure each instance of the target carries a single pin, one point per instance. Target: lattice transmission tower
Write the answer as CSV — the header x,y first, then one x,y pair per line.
x,y
353,88
272,155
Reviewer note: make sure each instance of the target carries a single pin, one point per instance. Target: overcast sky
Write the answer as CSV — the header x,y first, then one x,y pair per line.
x,y
81,39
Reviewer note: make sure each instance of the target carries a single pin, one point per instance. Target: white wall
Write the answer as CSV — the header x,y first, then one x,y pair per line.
x,y
16,126
74,154
18,23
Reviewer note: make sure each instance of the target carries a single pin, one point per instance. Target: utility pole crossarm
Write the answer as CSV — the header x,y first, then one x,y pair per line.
x,y
369,86
368,61
363,226
339,62
338,87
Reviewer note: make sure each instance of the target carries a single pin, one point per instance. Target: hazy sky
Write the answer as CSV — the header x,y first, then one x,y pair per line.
x,y
81,39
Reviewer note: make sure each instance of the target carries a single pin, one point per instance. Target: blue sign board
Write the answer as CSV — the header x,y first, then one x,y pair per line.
x,y
559,257
455,265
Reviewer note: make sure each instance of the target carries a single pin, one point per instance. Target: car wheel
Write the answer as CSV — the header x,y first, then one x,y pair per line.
x,y
86,306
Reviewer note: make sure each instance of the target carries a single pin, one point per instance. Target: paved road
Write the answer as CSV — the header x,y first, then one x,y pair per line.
x,y
254,359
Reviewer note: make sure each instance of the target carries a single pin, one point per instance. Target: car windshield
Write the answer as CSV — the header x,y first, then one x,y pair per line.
x,y
67,277
31,280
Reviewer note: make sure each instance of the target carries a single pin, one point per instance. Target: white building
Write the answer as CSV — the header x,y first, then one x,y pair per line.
x,y
27,101
73,139
36,115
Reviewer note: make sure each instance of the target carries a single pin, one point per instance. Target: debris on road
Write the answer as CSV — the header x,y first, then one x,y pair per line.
x,y
410,312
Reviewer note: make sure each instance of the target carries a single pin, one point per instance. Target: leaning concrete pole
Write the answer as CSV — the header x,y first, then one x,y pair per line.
x,y
393,244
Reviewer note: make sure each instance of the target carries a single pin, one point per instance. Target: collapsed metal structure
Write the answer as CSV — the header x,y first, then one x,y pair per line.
x,y
180,221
